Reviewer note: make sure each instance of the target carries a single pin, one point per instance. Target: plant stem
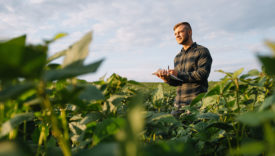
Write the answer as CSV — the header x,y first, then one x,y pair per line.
x,y
64,123
237,101
13,133
255,100
63,143
40,141
2,112
229,143
25,128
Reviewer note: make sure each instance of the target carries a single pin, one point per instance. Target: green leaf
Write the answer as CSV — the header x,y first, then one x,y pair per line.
x,y
107,128
228,85
200,126
271,45
56,37
267,102
71,71
11,51
19,60
104,149
221,125
208,116
78,51
51,142
116,99
15,148
253,148
16,90
170,148
269,134
134,82
256,118
237,73
14,122
54,150
160,117
59,35
269,64
91,93
56,55
34,60
253,72
135,115
93,116
214,91
227,73
197,99
158,94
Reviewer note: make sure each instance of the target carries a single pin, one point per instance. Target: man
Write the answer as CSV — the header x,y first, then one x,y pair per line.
x,y
192,66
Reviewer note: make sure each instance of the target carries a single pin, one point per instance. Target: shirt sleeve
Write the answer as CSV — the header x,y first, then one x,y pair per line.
x,y
203,70
172,82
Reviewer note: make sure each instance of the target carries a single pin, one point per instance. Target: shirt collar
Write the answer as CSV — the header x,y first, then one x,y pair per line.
x,y
193,45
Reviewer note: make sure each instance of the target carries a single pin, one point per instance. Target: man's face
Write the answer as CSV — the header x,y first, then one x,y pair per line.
x,y
182,34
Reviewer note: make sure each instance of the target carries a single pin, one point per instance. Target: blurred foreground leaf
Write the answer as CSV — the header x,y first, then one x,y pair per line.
x,y
252,148
16,90
208,116
104,149
12,148
107,128
237,73
78,51
271,45
269,64
20,60
14,122
268,102
91,93
71,71
169,148
256,118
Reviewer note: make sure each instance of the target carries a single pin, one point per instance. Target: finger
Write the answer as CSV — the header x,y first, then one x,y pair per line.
x,y
162,72
165,72
171,72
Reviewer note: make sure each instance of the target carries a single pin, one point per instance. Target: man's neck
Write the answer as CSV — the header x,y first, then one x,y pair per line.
x,y
187,45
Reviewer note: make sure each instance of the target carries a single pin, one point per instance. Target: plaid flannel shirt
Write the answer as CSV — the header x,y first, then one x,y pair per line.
x,y
193,67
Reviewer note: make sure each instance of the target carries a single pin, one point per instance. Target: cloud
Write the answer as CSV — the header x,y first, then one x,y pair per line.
x,y
143,29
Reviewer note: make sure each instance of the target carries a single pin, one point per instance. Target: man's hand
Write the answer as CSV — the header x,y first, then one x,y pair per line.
x,y
173,72
163,74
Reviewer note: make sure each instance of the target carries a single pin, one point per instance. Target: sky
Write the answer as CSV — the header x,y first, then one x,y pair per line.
x,y
136,36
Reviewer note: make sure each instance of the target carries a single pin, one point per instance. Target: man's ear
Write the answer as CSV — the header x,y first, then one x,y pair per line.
x,y
190,32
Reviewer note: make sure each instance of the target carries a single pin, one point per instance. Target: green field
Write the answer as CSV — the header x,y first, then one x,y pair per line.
x,y
167,87
46,110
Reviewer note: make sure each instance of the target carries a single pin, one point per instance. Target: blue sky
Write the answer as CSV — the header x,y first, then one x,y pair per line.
x,y
136,36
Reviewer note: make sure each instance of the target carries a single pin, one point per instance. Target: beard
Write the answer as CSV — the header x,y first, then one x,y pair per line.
x,y
185,39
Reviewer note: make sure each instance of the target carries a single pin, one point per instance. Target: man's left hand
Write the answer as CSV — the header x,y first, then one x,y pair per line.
x,y
173,72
